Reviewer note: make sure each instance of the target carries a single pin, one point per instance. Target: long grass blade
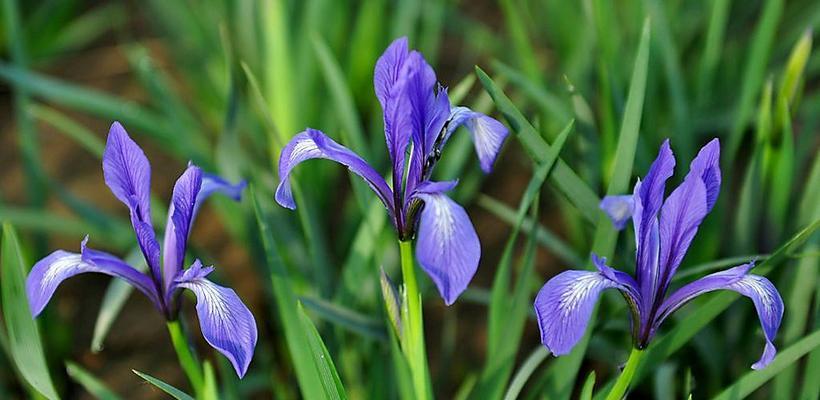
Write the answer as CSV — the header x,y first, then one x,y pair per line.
x,y
25,343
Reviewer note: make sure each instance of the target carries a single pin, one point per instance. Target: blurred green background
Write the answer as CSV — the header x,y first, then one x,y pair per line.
x,y
227,83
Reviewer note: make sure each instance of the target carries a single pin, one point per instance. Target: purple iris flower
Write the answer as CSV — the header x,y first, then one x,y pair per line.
x,y
418,121
663,232
225,321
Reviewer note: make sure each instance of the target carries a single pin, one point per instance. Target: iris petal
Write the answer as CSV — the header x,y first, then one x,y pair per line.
x,y
764,295
488,134
707,165
389,80
618,209
226,323
127,173
312,144
447,246
48,273
681,216
180,215
564,304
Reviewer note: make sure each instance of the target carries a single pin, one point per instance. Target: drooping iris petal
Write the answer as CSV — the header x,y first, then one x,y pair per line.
x,y
618,209
447,245
681,215
48,273
216,184
764,295
180,215
312,144
225,321
564,305
488,134
707,165
127,173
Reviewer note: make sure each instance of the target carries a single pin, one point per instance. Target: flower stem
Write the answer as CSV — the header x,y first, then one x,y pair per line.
x,y
622,384
187,359
413,335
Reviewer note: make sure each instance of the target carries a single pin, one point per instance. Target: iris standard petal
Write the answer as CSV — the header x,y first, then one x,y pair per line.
x,y
312,144
226,323
48,273
618,209
564,305
389,81
180,215
488,134
764,295
127,173
681,215
429,110
648,198
447,245
707,165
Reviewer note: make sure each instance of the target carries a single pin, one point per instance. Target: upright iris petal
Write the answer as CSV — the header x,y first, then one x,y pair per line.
x,y
226,322
418,119
127,173
663,232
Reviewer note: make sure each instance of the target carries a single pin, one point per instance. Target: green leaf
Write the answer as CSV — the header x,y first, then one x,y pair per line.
x,y
755,379
172,391
331,383
543,235
712,50
296,337
114,300
91,384
525,371
346,318
755,63
564,178
24,336
589,385
565,369
210,391
70,128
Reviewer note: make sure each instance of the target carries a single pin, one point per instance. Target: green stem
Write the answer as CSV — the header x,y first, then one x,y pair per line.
x,y
187,359
413,335
622,384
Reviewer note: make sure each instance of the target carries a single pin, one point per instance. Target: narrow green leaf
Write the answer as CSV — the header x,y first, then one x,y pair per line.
x,y
589,386
346,318
170,390
543,235
70,128
342,98
24,336
565,179
210,391
287,306
114,300
712,50
91,384
565,369
753,74
331,383
754,379
525,371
